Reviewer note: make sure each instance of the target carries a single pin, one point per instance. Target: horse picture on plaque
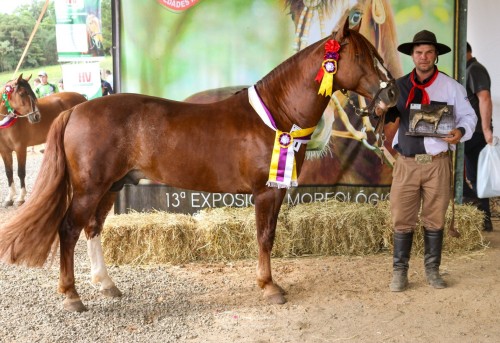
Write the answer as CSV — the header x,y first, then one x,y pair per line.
x,y
431,120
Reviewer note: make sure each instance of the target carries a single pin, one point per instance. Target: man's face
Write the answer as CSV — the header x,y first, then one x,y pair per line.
x,y
43,79
424,56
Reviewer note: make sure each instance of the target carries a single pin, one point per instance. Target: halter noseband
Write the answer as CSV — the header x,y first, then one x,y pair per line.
x,y
366,111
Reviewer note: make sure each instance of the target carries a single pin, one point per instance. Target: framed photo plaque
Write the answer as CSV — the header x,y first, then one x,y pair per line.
x,y
433,120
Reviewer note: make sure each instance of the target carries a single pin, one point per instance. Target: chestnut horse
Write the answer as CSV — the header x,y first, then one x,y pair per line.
x,y
219,147
20,101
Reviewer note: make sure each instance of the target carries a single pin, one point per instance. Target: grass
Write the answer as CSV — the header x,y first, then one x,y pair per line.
x,y
54,71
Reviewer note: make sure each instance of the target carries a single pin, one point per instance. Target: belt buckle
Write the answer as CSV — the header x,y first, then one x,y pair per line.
x,y
423,158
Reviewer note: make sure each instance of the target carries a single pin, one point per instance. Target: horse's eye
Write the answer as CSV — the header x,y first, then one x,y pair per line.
x,y
355,17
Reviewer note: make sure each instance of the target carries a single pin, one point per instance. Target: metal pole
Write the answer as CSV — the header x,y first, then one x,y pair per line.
x,y
459,62
116,27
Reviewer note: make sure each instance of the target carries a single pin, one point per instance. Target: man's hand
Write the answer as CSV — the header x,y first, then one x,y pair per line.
x,y
455,136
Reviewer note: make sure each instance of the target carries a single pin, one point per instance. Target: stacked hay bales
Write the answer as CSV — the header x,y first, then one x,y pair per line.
x,y
225,234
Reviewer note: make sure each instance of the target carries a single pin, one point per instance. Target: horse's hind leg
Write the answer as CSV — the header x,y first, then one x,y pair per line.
x,y
98,271
9,172
267,207
80,211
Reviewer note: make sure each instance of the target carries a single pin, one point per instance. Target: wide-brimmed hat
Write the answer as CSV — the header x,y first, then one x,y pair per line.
x,y
424,37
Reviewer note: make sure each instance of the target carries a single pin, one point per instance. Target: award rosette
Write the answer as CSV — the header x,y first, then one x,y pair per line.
x,y
328,68
282,171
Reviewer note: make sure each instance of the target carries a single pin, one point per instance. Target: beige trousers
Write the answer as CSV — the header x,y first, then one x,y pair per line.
x,y
420,187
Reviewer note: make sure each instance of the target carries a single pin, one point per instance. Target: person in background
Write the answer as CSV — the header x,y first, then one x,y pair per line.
x,y
106,87
60,85
45,88
36,82
422,172
109,77
478,85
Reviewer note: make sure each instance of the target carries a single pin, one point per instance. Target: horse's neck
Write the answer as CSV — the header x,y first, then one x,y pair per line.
x,y
290,92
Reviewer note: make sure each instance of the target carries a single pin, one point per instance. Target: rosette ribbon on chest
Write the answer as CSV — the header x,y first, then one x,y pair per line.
x,y
328,67
283,170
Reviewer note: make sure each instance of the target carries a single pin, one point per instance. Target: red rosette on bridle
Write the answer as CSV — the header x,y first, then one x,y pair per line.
x,y
328,67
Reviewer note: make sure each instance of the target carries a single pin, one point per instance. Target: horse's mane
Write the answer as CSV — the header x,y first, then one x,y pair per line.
x,y
362,44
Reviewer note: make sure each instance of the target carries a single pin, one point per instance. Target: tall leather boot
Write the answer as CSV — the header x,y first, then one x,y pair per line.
x,y
484,205
433,246
401,258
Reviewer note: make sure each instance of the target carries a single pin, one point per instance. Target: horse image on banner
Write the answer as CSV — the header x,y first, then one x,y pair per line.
x,y
226,146
346,147
33,118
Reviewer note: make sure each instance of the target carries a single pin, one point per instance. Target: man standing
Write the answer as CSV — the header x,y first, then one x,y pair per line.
x,y
478,90
45,88
422,171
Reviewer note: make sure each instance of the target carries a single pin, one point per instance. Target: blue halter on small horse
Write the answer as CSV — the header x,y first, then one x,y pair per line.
x,y
221,147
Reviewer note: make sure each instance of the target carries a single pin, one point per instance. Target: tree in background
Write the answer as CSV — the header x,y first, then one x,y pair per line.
x,y
16,28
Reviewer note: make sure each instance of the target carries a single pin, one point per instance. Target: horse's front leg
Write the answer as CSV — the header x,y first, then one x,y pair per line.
x,y
267,207
68,235
21,173
9,172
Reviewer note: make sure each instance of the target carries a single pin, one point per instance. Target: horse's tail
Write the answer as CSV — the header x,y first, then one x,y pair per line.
x,y
27,237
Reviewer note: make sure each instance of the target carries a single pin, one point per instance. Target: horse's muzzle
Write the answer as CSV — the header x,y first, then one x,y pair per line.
x,y
390,95
34,117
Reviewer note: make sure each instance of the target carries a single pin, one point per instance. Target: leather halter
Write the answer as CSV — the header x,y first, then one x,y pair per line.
x,y
8,90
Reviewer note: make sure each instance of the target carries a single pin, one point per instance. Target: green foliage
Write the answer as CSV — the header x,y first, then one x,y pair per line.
x,y
16,29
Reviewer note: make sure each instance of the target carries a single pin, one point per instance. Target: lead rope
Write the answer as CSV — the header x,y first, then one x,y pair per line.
x,y
304,23
452,231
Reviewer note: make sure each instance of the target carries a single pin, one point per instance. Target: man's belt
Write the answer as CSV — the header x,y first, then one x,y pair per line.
x,y
424,158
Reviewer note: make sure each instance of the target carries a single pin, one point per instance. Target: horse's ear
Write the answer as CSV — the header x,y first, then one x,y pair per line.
x,y
345,30
340,35
28,78
20,78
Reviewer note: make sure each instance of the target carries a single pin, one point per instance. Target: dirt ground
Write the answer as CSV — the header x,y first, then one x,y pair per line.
x,y
347,299
330,299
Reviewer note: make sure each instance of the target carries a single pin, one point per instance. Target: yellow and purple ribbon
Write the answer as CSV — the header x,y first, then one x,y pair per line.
x,y
283,170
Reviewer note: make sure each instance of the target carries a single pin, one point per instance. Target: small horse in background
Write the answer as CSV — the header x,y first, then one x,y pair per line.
x,y
20,102
226,147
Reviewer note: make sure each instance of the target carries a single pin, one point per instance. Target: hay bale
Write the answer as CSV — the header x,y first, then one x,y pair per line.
x,y
333,228
468,221
229,233
225,234
150,238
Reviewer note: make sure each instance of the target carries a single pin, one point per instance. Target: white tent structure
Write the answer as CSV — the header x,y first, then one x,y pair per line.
x,y
482,28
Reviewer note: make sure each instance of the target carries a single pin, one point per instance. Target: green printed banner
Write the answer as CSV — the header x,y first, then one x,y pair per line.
x,y
79,30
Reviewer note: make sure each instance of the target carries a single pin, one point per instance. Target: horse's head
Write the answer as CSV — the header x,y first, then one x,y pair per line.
x,y
368,76
18,98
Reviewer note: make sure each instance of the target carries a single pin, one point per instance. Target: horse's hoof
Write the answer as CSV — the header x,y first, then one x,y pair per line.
x,y
274,294
74,305
8,203
112,292
276,299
